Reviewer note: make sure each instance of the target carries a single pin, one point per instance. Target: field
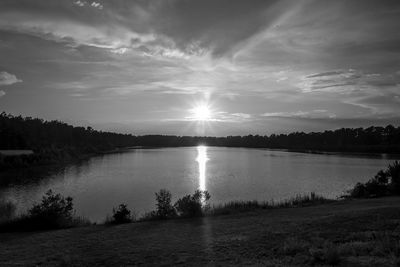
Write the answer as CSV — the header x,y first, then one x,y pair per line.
x,y
345,233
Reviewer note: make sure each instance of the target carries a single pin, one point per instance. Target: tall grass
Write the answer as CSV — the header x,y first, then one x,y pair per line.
x,y
242,206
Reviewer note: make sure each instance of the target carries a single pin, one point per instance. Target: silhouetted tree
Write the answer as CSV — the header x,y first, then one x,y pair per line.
x,y
164,208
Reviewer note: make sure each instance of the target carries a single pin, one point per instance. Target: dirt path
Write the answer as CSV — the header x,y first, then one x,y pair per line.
x,y
348,233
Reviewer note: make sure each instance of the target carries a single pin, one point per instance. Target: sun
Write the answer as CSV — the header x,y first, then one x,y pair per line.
x,y
201,113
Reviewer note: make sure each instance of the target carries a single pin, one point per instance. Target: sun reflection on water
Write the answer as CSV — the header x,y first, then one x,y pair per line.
x,y
202,160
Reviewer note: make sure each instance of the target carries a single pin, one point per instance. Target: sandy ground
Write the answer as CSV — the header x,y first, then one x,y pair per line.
x,y
346,233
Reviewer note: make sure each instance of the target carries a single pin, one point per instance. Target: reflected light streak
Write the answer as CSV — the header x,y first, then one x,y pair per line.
x,y
201,160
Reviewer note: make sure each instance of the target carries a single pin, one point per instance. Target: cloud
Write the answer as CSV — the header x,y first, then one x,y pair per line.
x,y
242,115
347,81
327,73
288,61
314,114
119,51
8,79
177,27
2,93
379,105
85,3
96,5
80,3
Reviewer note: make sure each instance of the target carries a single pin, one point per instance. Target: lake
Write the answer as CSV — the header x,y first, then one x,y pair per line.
x,y
103,182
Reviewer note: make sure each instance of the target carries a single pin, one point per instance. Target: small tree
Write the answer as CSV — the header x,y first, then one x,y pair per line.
x,y
164,208
54,210
122,214
193,205
393,171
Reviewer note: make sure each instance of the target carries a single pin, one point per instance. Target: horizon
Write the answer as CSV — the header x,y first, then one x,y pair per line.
x,y
203,136
202,68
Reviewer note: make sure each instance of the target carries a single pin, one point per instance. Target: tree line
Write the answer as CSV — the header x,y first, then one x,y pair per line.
x,y
56,140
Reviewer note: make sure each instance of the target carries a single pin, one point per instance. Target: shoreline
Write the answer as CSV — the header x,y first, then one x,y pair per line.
x,y
344,233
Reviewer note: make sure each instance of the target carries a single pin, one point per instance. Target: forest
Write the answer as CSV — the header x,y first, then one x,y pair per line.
x,y
56,141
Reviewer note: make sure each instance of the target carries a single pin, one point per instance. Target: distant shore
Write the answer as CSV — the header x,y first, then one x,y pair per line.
x,y
39,171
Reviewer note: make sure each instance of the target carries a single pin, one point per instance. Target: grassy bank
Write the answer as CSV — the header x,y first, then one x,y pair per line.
x,y
361,232
245,206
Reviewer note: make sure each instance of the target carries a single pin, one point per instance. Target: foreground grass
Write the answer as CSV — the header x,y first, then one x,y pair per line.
x,y
362,232
244,206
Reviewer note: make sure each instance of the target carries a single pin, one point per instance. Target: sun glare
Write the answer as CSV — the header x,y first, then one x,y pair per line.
x,y
202,160
201,113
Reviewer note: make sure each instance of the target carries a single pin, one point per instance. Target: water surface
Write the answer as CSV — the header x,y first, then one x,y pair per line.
x,y
132,177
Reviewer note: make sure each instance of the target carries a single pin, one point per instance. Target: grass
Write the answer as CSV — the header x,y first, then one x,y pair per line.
x,y
244,206
239,206
26,223
344,233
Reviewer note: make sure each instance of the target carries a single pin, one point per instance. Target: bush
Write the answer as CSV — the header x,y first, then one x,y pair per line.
x,y
7,210
384,183
193,205
393,171
122,214
149,216
164,208
52,207
54,212
358,191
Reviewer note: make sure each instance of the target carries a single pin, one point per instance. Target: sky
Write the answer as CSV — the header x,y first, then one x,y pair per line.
x,y
153,66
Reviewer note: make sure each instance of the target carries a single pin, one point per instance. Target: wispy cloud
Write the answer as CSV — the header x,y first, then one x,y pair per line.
x,y
81,3
8,78
318,113
345,81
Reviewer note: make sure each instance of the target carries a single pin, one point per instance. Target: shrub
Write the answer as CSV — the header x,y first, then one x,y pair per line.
x,y
193,205
149,216
7,210
384,183
122,214
393,171
52,207
54,212
358,191
164,208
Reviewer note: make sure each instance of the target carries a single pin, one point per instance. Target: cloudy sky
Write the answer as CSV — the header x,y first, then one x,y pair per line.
x,y
145,66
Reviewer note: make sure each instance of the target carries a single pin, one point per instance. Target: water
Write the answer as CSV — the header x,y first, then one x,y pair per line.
x,y
132,177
